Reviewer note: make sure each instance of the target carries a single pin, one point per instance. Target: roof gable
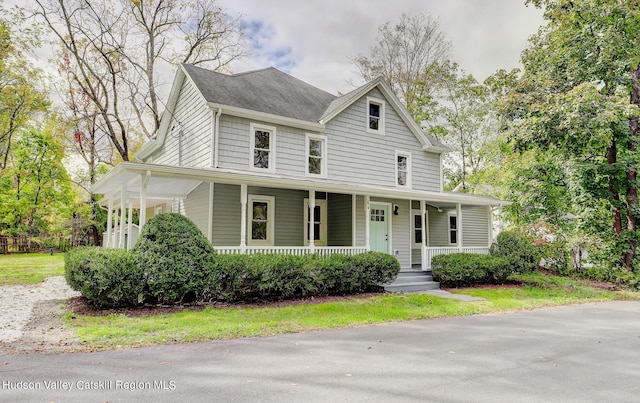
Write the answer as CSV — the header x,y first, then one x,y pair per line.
x,y
268,91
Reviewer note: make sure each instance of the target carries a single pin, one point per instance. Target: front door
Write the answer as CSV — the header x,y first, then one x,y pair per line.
x,y
379,228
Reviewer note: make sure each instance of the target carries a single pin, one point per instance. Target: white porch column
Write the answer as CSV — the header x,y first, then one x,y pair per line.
x,y
123,211
243,217
210,227
143,198
367,218
490,218
459,215
312,227
130,226
114,239
423,255
354,221
107,242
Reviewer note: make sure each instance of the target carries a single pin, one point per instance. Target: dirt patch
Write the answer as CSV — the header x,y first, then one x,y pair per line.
x,y
45,332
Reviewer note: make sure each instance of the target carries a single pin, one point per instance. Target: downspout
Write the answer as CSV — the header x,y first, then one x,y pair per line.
x,y
215,138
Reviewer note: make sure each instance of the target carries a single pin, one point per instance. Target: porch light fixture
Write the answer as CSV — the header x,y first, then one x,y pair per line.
x,y
396,209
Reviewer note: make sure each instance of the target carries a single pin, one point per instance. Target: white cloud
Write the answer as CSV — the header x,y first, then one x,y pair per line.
x,y
313,40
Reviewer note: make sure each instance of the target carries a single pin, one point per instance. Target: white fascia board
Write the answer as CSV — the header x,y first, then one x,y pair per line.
x,y
155,143
286,182
267,117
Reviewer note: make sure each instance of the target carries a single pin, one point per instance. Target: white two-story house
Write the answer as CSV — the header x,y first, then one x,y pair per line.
x,y
265,163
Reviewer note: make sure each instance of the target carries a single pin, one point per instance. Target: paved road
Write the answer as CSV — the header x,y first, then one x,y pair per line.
x,y
566,354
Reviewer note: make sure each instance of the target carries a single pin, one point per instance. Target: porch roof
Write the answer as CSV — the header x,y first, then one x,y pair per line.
x,y
166,182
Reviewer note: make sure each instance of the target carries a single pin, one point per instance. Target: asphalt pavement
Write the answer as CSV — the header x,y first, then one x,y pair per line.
x,y
579,353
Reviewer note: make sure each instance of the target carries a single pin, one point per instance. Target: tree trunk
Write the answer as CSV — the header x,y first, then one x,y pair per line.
x,y
612,151
632,190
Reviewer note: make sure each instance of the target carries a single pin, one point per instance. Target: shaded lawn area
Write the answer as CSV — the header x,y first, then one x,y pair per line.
x,y
117,330
30,268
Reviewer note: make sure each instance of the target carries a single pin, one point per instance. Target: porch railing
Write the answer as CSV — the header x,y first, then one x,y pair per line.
x,y
292,250
430,252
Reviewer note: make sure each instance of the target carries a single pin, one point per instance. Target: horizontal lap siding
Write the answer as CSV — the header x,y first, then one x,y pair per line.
x,y
361,157
193,117
234,143
196,207
289,225
438,227
339,220
226,215
475,226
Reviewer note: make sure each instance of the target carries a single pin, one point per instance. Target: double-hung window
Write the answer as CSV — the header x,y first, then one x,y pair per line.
x,y
403,169
319,221
316,154
263,143
453,229
375,115
261,219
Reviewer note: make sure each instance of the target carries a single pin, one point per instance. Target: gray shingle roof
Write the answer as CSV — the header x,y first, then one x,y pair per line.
x,y
268,90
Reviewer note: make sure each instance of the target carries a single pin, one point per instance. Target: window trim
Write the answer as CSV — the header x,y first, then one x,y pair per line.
x,y
272,146
322,203
449,230
416,213
271,206
381,120
323,162
407,155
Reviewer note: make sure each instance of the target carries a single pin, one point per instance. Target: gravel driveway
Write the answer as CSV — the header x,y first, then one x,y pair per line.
x,y
29,309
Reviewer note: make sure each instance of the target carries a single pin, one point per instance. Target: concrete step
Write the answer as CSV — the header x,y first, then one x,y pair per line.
x,y
412,280
410,287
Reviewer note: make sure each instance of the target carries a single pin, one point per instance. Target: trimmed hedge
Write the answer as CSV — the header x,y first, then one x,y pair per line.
x,y
176,258
522,254
271,276
462,269
115,277
108,277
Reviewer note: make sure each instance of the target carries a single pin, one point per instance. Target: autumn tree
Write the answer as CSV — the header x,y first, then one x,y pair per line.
x,y
118,49
579,100
403,51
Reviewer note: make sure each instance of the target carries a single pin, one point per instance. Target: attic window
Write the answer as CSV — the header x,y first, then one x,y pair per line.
x,y
262,155
375,116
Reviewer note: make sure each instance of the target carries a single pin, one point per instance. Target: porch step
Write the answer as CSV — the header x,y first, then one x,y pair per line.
x,y
412,280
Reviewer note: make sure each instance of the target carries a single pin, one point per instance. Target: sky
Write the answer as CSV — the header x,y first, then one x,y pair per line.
x,y
314,40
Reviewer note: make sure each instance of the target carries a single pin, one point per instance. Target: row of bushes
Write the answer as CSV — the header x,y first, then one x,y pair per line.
x,y
512,253
173,262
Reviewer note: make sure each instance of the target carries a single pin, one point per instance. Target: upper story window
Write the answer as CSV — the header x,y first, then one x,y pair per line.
x,y
375,115
403,169
263,143
316,151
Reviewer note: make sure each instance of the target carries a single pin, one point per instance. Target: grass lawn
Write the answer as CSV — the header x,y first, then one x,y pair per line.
x,y
30,268
118,330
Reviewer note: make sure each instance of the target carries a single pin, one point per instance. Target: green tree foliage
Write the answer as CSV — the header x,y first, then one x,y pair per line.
x,y
37,196
577,103
453,107
20,100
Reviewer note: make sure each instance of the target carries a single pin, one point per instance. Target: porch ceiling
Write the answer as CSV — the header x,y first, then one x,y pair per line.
x,y
166,182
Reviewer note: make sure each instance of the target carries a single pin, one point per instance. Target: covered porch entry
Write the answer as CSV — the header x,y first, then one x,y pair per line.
x,y
242,212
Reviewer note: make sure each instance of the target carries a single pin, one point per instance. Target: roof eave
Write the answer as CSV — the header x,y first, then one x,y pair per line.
x,y
267,117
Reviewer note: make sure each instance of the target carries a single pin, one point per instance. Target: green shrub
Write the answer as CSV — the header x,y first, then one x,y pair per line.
x,y
272,276
521,253
176,258
462,269
107,277
555,256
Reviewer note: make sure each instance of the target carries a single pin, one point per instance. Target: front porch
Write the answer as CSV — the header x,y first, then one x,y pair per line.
x,y
258,214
